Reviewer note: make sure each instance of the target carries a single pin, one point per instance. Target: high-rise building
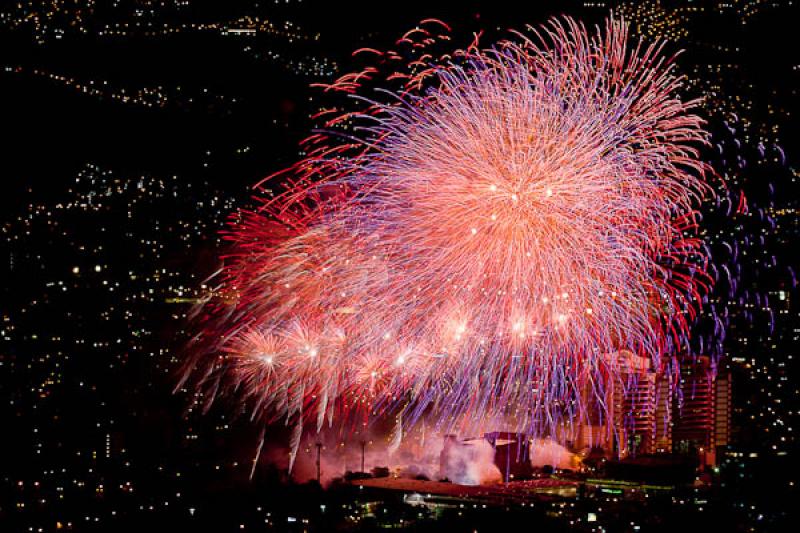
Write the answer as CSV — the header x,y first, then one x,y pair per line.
x,y
634,413
662,441
644,412
702,410
722,410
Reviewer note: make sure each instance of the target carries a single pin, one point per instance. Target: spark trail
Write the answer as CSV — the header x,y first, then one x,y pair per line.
x,y
484,235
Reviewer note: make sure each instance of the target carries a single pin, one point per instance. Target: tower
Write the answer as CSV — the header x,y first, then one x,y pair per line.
x,y
702,410
635,413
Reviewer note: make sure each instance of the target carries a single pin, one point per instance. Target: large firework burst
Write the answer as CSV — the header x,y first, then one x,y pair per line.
x,y
492,234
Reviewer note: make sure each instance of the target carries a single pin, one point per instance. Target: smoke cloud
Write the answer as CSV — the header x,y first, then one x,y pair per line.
x,y
549,452
431,457
470,463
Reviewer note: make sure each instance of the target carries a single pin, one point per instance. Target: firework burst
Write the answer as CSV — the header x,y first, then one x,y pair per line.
x,y
473,237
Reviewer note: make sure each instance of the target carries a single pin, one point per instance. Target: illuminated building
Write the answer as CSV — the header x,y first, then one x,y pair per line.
x,y
634,414
648,415
511,454
638,411
703,411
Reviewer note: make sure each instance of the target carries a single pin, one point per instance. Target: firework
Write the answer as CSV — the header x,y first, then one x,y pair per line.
x,y
492,234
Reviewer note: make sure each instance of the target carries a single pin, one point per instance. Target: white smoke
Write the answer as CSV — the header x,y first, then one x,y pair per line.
x,y
549,452
466,463
470,463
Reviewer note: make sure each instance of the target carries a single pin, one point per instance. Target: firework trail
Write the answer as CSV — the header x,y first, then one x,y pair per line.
x,y
491,234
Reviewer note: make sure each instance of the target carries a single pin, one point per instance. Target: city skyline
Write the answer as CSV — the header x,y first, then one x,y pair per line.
x,y
138,132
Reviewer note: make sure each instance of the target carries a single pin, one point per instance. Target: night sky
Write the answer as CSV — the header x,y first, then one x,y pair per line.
x,y
135,129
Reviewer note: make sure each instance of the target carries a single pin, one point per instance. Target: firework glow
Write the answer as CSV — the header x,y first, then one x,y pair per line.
x,y
489,235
